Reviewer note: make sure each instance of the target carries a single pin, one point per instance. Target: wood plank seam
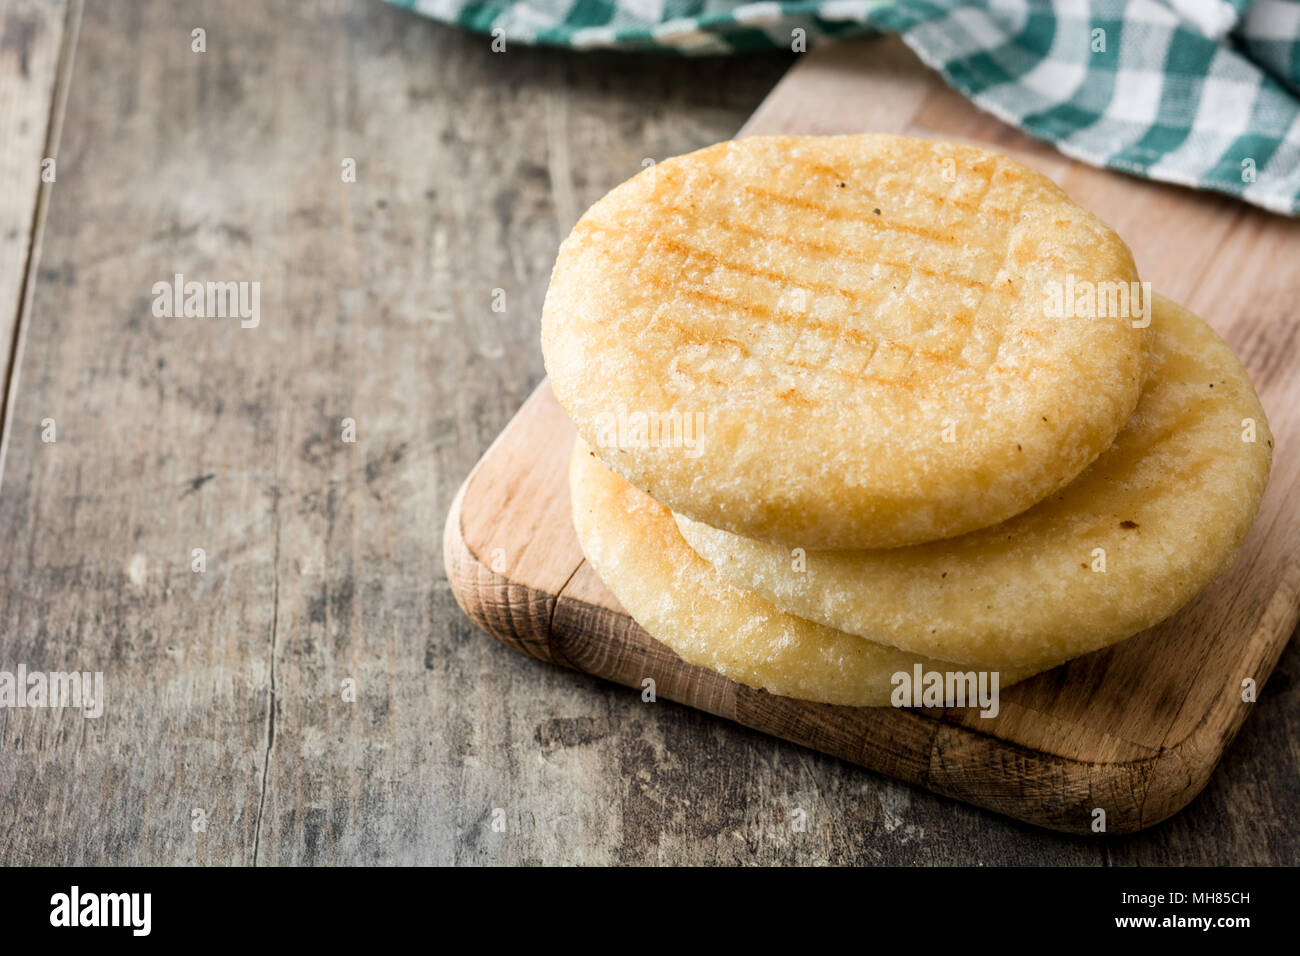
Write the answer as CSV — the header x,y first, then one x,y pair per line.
x,y
272,700
53,135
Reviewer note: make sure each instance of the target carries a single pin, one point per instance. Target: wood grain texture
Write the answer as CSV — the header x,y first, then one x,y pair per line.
x,y
324,558
1135,730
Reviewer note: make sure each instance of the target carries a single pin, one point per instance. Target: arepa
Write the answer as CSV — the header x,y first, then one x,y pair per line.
x,y
848,341
681,601
1148,525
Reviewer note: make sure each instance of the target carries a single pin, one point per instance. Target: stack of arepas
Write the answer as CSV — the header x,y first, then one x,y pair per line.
x,y
851,404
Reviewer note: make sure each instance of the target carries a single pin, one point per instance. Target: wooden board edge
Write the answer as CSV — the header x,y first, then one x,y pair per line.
x,y
1137,792
1047,790
1149,789
1185,766
517,616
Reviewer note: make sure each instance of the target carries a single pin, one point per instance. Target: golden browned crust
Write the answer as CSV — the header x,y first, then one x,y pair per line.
x,y
681,601
1127,544
860,325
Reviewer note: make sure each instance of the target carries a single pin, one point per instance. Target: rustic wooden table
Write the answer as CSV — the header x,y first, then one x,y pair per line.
x,y
231,733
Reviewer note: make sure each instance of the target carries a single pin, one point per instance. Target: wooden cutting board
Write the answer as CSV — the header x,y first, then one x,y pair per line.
x,y
1134,730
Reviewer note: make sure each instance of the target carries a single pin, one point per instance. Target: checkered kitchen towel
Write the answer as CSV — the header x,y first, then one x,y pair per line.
x,y
1203,93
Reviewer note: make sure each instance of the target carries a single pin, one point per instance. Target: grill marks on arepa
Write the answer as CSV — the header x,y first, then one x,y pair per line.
x,y
701,278
831,305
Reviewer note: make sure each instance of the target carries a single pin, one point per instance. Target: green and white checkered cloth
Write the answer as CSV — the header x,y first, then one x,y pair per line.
x,y
1203,93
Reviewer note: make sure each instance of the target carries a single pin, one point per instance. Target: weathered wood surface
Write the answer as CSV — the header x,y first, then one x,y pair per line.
x,y
223,688
36,41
